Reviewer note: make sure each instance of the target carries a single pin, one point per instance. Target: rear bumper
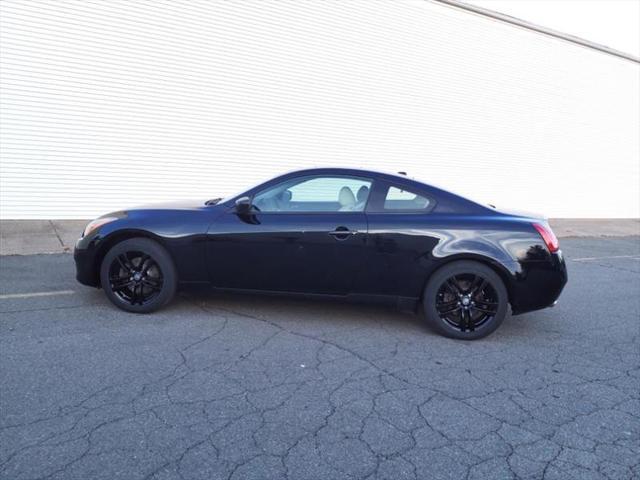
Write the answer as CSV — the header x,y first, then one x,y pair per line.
x,y
538,284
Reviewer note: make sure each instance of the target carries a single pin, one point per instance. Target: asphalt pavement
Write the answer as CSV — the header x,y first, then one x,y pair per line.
x,y
244,387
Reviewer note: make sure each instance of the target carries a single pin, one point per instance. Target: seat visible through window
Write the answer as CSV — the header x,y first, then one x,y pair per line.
x,y
315,194
347,199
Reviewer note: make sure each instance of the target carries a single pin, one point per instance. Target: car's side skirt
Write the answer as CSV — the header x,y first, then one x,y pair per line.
x,y
404,304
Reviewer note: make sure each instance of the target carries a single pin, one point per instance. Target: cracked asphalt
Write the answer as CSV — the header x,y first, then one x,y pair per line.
x,y
242,387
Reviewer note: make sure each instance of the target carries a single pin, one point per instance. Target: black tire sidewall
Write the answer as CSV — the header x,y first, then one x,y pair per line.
x,y
455,268
159,255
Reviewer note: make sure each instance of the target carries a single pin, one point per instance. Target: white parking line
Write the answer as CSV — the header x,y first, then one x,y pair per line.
x,y
36,294
588,259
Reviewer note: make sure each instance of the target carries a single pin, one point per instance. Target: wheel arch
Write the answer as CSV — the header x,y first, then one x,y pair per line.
x,y
118,236
505,274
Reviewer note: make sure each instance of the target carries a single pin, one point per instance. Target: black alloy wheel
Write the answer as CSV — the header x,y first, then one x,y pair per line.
x,y
465,300
138,275
135,277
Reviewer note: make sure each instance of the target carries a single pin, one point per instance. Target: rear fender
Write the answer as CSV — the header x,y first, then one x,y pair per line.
x,y
501,246
499,254
508,271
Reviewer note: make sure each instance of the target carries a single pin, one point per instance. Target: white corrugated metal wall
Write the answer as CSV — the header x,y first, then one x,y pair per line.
x,y
108,104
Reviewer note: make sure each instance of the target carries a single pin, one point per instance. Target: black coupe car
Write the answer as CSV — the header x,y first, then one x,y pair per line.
x,y
338,232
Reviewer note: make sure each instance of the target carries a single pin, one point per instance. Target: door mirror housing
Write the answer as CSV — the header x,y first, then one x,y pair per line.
x,y
243,205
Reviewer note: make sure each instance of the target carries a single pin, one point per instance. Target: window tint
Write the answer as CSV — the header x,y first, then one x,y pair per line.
x,y
315,194
398,199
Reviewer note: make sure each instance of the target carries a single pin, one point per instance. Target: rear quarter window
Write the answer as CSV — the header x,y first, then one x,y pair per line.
x,y
401,199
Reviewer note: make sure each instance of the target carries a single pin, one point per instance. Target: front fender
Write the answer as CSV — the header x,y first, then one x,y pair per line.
x,y
181,233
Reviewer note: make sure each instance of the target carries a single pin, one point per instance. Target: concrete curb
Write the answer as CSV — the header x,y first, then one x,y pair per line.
x,y
30,237
595,227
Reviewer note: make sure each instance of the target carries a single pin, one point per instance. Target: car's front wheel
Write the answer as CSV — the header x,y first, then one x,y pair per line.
x,y
465,300
138,275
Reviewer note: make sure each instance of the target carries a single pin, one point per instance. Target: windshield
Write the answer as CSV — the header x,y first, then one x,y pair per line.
x,y
226,198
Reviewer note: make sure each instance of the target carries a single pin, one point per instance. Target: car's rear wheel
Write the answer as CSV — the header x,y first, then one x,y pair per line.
x,y
138,275
465,300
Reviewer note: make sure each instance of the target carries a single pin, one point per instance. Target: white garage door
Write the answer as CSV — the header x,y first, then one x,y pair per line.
x,y
108,104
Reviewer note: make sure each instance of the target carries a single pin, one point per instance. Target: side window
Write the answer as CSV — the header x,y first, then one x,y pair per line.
x,y
315,194
399,199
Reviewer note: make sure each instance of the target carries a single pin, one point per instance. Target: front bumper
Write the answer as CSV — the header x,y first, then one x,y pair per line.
x,y
86,266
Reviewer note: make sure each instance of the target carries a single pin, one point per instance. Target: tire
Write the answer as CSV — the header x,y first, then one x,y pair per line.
x,y
138,275
465,300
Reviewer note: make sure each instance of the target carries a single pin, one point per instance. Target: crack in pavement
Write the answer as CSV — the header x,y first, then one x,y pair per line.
x,y
229,388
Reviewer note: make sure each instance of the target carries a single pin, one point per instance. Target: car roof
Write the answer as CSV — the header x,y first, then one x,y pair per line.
x,y
352,171
448,201
453,200
394,177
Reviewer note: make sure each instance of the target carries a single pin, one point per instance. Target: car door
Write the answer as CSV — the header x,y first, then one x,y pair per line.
x,y
305,234
400,241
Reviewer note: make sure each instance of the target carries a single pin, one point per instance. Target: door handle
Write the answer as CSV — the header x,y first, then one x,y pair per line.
x,y
342,233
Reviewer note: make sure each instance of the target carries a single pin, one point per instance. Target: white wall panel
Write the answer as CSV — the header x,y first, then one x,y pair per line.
x,y
109,104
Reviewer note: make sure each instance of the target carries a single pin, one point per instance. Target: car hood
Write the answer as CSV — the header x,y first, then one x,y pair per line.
x,y
174,205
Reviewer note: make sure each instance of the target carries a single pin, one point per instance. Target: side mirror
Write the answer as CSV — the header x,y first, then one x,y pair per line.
x,y
243,205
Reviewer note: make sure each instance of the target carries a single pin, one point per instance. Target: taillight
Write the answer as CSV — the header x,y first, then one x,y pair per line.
x,y
548,236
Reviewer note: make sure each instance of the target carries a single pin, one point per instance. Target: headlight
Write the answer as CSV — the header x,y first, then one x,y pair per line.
x,y
97,223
